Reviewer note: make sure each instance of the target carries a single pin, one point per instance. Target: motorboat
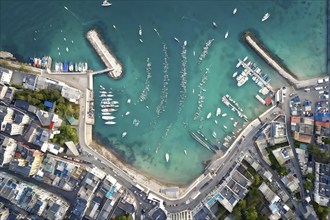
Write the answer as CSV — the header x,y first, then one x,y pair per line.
x,y
224,115
265,17
110,123
140,30
127,113
167,157
225,127
114,27
194,53
218,112
66,8
105,3
242,81
193,91
216,122
67,49
124,134
185,43
141,41
245,58
209,115
108,110
176,39
108,117
234,11
231,119
185,152
226,35
128,101
106,113
214,24
235,74
214,134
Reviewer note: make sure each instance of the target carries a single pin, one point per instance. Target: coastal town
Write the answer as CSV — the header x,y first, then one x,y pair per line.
x,y
274,166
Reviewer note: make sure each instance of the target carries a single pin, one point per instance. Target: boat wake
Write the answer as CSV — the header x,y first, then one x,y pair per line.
x,y
73,14
144,94
163,101
183,83
205,50
200,94
167,131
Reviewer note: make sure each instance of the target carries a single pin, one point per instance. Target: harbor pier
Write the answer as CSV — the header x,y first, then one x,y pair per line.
x,y
256,45
116,70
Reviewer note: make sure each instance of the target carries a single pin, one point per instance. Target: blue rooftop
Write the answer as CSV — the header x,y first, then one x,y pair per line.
x,y
48,104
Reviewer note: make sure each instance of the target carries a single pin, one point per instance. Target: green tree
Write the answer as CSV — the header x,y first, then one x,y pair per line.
x,y
308,185
251,214
310,176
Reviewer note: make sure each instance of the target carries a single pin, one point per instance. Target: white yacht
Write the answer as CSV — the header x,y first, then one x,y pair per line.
x,y
218,112
167,157
242,81
128,101
105,3
234,11
140,30
235,74
226,35
214,24
209,115
124,134
110,123
224,115
265,17
185,43
107,117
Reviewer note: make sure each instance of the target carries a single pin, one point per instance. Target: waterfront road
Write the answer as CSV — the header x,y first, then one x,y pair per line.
x,y
172,205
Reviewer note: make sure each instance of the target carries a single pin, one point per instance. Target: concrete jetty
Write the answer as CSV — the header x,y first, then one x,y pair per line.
x,y
103,51
256,45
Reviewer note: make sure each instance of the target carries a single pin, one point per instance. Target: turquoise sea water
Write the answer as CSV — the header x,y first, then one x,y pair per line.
x,y
295,31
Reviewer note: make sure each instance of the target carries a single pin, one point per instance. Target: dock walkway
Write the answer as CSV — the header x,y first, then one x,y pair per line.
x,y
260,49
108,59
268,86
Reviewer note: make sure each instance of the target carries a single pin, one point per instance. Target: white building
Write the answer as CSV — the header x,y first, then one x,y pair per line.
x,y
5,75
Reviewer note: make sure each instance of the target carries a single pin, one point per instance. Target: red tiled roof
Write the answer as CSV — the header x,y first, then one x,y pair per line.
x,y
268,100
322,124
295,119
